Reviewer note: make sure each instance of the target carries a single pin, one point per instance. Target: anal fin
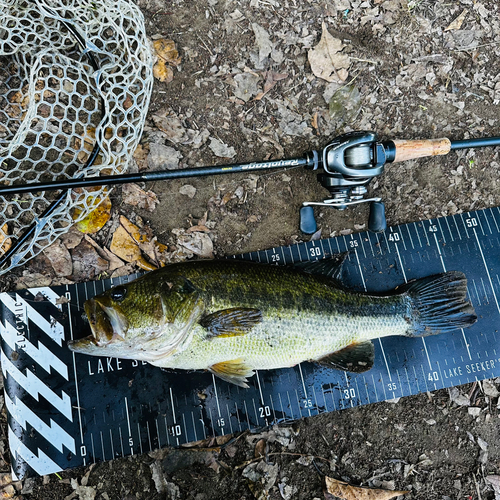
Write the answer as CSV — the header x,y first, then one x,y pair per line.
x,y
234,371
356,358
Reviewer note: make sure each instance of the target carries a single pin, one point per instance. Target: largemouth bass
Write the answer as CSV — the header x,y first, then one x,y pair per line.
x,y
233,317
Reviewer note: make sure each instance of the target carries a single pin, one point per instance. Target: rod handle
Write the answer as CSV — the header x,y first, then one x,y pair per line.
x,y
408,150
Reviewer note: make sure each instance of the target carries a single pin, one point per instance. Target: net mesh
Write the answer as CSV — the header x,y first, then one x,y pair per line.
x,y
55,107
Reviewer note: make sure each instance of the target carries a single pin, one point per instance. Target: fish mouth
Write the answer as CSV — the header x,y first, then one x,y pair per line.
x,y
107,324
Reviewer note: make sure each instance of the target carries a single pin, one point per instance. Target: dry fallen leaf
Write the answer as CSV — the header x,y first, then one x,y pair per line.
x,y
166,50
154,250
96,219
59,258
163,72
326,61
314,121
114,261
141,156
87,263
137,197
271,79
127,243
7,489
5,243
457,23
167,57
494,480
345,491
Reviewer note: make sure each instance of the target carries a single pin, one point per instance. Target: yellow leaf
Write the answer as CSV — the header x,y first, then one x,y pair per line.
x,y
144,264
5,243
125,241
347,492
163,72
167,56
165,49
96,219
128,242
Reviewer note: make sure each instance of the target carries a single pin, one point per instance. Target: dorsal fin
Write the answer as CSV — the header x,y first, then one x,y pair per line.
x,y
330,266
355,358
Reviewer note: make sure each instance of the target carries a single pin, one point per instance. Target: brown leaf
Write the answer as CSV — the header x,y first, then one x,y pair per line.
x,y
198,243
127,242
457,23
260,448
326,61
271,79
114,261
153,249
7,485
72,238
126,239
193,229
30,279
170,124
314,121
345,491
137,197
59,258
87,264
141,156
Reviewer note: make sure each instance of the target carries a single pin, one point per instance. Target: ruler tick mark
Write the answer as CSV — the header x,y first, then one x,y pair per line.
x,y
486,268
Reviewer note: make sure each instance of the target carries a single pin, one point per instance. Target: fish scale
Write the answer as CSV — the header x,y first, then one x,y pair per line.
x,y
80,410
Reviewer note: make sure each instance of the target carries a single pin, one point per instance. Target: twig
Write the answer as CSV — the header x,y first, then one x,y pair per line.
x,y
248,462
364,60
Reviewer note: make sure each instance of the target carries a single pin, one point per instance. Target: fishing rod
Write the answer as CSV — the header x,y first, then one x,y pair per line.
x,y
348,164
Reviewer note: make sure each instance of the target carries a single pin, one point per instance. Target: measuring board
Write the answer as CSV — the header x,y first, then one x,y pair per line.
x,y
67,410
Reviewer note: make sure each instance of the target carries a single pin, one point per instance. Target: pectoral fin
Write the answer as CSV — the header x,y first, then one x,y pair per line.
x,y
355,358
234,371
231,322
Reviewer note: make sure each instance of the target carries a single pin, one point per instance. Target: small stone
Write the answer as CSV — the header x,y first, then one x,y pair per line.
x,y
188,190
490,389
246,86
474,411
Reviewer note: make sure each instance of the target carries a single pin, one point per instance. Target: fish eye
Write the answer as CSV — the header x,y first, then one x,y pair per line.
x,y
118,293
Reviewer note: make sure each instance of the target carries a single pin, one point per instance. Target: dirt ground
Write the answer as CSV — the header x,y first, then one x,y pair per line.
x,y
418,76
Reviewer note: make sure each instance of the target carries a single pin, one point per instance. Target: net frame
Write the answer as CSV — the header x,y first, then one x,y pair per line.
x,y
75,84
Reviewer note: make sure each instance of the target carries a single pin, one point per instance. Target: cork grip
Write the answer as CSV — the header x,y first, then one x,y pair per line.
x,y
408,150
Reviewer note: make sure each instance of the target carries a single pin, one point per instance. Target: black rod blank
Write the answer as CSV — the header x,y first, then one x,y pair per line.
x,y
475,143
109,180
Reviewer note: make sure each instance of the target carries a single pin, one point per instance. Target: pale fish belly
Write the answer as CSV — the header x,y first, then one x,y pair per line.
x,y
280,343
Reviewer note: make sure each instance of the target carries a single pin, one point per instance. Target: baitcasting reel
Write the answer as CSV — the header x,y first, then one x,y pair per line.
x,y
349,163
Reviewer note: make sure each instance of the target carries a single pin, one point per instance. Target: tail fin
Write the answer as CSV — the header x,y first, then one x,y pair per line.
x,y
438,305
